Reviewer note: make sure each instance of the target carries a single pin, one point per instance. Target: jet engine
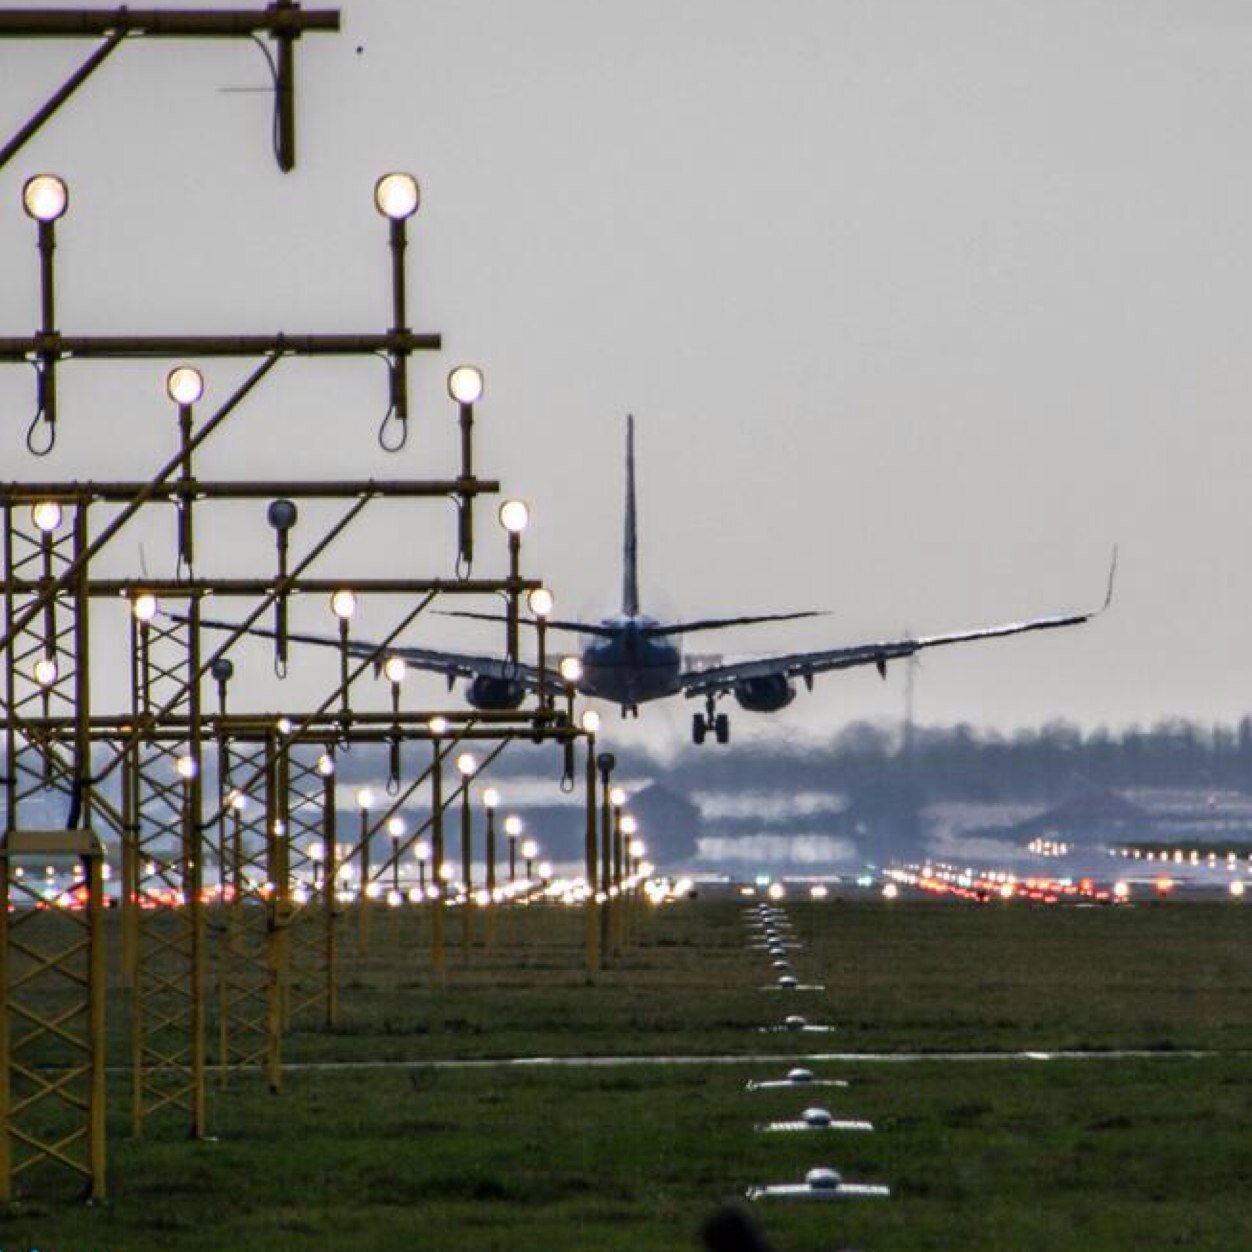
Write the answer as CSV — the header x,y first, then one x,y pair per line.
x,y
484,692
764,695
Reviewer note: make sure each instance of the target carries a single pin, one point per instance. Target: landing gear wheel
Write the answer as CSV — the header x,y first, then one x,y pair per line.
x,y
721,728
699,728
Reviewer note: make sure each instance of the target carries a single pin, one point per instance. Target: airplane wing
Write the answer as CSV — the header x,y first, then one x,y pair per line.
x,y
719,679
451,665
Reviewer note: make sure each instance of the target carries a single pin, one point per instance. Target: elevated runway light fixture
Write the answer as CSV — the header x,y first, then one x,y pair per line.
x,y
184,384
222,671
45,198
186,767
326,765
466,765
46,517
514,517
513,830
144,606
282,516
465,386
421,851
491,802
395,830
343,605
364,802
541,603
397,197
45,671
530,850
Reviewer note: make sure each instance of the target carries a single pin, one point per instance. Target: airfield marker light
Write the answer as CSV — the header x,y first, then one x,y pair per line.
x,y
343,604
438,727
630,824
446,872
46,515
395,668
1237,888
591,722
186,767
466,764
45,197
491,798
818,891
421,851
184,384
326,765
617,797
777,891
541,602
284,726
1121,891
45,671
513,830
571,671
530,850
514,516
397,196
545,870
465,384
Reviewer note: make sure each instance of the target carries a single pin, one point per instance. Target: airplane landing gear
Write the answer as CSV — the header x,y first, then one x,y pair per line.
x,y
707,721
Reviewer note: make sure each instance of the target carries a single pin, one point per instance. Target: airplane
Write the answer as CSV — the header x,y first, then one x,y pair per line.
x,y
631,658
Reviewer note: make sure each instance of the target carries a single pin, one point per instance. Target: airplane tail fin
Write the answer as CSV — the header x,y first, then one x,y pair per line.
x,y
630,552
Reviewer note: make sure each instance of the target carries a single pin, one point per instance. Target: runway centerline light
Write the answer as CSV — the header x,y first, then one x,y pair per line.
x,y
45,197
397,195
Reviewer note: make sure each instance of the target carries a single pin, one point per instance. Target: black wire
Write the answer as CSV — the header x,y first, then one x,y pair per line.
x,y
40,413
277,117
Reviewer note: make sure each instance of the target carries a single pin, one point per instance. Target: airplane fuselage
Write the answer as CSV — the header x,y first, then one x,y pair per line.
x,y
629,668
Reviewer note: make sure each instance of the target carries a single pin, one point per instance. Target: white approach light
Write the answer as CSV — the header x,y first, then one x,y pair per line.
x,y
438,726
395,827
514,515
395,668
591,722
397,195
45,197
512,826
186,767
46,516
466,764
343,604
617,797
630,823
465,384
326,765
45,671
184,384
491,798
571,669
144,607
541,602
421,850
365,799
530,849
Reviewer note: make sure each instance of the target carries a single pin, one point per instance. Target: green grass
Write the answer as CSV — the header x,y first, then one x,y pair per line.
x,y
1099,1154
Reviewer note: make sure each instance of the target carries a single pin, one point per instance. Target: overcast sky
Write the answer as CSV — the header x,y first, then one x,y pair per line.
x,y
920,308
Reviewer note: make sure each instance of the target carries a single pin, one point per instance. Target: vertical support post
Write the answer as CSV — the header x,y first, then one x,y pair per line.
x,y
438,954
330,875
467,853
591,920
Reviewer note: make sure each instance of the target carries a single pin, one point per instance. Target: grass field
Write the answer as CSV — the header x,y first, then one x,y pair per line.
x,y
1098,1154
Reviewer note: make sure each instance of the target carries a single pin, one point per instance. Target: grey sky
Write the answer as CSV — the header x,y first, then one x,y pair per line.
x,y
920,308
